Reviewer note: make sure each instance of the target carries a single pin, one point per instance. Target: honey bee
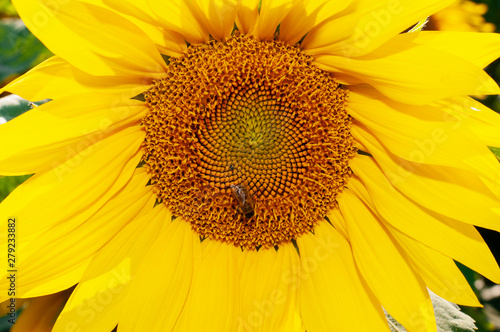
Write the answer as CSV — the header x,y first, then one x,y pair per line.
x,y
246,205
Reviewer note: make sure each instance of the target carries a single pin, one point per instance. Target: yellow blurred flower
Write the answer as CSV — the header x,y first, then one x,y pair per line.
x,y
462,15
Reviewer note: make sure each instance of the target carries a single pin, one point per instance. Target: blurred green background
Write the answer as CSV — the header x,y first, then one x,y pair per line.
x,y
20,51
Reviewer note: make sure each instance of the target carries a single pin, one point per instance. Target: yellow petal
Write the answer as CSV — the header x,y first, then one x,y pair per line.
x,y
176,16
420,134
163,280
335,218
217,15
167,42
440,273
465,111
55,78
85,36
307,14
171,43
57,131
247,16
413,74
267,303
264,22
479,48
385,267
215,281
58,282
331,292
97,302
455,193
76,191
367,25
452,238
272,12
69,244
261,18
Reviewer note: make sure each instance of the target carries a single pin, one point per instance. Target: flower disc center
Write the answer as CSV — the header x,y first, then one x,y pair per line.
x,y
248,141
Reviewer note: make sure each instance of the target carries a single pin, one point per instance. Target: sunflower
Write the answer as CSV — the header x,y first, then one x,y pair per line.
x,y
462,15
251,165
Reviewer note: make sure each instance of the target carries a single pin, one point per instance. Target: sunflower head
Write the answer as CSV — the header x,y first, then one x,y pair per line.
x,y
259,151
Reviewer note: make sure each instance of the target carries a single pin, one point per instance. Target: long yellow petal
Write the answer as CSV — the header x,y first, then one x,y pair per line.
x,y
455,193
271,14
176,16
307,14
217,15
58,282
267,303
479,48
216,281
163,280
261,18
367,25
73,193
332,294
337,221
247,15
58,131
465,111
85,36
421,134
452,238
385,267
412,73
440,273
97,302
168,42
69,244
55,78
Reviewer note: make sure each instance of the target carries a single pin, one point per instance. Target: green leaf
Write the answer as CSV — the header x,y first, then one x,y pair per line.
x,y
19,49
9,183
449,317
5,325
7,8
